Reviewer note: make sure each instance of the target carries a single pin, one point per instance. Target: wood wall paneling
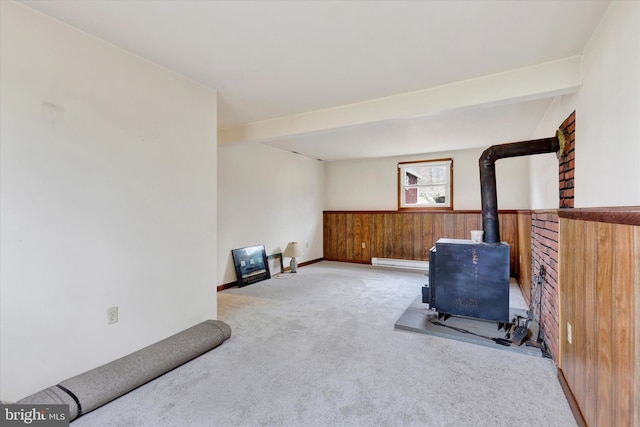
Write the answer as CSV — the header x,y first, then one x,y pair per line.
x,y
636,340
342,237
357,237
567,298
325,234
604,325
508,233
417,248
600,298
408,231
403,235
623,357
349,236
438,228
387,235
579,330
590,323
378,242
523,264
472,222
366,233
427,235
449,226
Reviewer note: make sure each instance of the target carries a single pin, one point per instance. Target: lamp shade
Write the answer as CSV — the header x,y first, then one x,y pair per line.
x,y
292,250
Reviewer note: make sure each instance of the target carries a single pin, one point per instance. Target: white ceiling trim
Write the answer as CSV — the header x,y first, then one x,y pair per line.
x,y
534,82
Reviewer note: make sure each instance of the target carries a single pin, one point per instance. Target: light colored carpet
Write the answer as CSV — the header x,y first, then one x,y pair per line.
x,y
318,348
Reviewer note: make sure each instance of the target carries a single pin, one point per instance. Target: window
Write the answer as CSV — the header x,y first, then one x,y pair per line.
x,y
426,184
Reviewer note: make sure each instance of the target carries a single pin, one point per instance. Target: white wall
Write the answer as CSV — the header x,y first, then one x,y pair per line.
x,y
108,198
607,120
372,184
544,188
269,197
608,112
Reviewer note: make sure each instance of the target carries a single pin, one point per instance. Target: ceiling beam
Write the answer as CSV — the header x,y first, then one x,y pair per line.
x,y
534,82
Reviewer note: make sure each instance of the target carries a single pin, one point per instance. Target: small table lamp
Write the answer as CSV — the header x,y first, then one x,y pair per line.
x,y
293,250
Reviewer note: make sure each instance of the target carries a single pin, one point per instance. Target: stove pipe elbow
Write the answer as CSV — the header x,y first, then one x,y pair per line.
x,y
488,190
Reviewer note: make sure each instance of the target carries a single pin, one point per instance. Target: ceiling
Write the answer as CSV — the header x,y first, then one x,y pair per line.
x,y
277,63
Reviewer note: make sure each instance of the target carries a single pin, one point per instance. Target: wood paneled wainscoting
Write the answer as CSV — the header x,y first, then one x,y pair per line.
x,y
600,304
357,236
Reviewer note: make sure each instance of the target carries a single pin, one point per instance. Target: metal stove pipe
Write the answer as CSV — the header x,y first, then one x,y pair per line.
x,y
487,161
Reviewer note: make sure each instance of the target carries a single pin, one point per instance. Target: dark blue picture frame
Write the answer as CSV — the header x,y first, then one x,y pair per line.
x,y
250,264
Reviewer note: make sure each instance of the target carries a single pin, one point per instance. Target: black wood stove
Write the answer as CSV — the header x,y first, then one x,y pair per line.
x,y
469,279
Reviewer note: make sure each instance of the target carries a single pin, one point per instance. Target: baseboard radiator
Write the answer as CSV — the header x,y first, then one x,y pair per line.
x,y
400,263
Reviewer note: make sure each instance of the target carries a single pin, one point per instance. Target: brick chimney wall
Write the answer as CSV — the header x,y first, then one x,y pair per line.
x,y
544,252
566,164
544,246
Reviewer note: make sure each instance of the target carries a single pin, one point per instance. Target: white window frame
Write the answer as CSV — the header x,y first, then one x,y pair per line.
x,y
403,167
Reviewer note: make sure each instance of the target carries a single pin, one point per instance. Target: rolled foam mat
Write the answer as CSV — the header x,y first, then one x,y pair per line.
x,y
53,396
92,389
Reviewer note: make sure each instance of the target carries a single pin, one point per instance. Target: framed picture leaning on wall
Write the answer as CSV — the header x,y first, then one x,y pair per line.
x,y
251,265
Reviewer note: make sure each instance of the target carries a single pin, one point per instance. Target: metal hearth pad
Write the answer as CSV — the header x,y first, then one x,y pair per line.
x,y
417,318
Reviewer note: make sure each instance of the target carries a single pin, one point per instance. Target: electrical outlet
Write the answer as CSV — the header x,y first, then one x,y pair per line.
x,y
364,245
112,315
569,333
